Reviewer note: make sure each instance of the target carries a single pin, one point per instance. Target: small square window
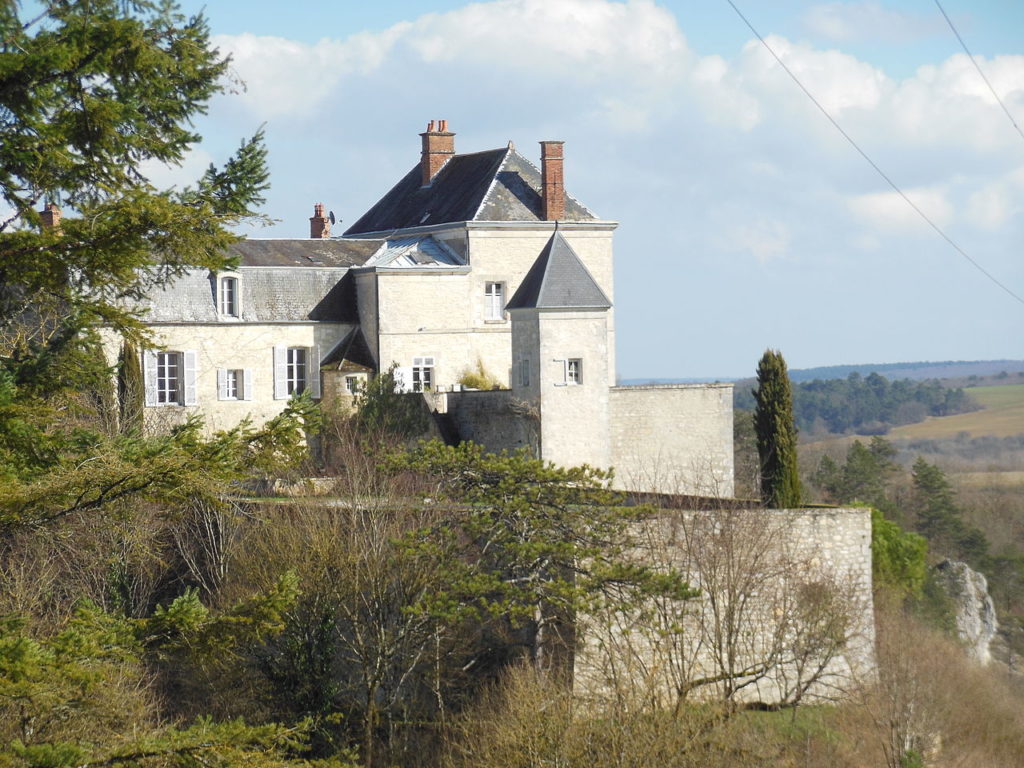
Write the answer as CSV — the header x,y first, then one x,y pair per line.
x,y
234,384
352,385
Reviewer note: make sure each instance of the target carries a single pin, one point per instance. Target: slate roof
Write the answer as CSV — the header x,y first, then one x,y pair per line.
x,y
267,295
352,349
495,185
303,253
558,280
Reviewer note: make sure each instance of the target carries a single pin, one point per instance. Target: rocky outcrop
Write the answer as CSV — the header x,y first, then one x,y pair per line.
x,y
975,612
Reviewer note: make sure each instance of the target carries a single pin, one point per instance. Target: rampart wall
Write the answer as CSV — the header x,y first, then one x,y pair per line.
x,y
784,611
673,438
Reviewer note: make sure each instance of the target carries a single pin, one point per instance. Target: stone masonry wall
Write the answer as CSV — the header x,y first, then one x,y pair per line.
x,y
784,612
493,419
673,439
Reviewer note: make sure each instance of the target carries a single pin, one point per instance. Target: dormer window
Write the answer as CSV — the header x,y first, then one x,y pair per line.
x,y
227,296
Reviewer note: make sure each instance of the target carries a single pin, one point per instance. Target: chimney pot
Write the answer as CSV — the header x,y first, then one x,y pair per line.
x,y
438,148
319,224
552,155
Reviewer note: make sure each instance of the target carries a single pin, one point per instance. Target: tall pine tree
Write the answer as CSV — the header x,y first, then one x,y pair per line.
x,y
776,433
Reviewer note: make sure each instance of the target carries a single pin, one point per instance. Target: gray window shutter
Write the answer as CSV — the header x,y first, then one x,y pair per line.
x,y
189,358
280,373
247,384
313,374
149,374
222,384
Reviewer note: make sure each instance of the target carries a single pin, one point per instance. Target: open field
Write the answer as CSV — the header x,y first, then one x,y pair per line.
x,y
1003,416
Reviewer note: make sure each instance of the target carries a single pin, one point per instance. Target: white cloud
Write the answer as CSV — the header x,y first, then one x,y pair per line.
x,y
889,211
634,48
843,22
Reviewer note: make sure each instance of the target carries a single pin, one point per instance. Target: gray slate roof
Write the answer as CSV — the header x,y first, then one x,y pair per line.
x,y
558,280
303,253
268,295
351,351
496,185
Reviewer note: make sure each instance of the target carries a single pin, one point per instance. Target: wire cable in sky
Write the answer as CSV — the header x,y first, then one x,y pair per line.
x,y
871,162
977,67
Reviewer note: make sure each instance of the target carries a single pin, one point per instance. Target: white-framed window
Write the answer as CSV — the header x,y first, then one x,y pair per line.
x,y
422,374
352,385
234,384
296,367
494,302
524,372
296,370
574,371
170,377
227,296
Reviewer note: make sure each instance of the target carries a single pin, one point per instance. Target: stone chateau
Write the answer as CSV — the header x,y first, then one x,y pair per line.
x,y
481,262
474,261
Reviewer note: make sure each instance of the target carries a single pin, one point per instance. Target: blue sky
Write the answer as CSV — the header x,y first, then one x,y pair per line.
x,y
746,220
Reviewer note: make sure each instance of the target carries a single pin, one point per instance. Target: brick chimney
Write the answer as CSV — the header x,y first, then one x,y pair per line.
x,y
552,184
319,224
50,216
438,147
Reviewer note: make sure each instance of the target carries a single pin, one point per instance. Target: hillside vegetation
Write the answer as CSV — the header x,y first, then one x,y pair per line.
x,y
870,405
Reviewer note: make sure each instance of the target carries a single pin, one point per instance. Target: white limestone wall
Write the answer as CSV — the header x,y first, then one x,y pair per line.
x,y
673,439
246,346
436,315
574,418
785,610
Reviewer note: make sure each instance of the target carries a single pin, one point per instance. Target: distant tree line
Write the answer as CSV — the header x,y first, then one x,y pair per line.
x,y
867,405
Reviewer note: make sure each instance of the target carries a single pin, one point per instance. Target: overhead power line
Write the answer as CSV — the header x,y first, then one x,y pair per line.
x,y
978,67
872,163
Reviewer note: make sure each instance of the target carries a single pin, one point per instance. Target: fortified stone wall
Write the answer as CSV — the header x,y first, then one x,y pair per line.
x,y
784,611
493,419
673,438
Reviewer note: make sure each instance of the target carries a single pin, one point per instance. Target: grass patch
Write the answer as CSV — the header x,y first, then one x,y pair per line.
x,y
1002,416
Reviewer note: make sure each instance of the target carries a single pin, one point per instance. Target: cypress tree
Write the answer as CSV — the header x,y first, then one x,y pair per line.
x,y
776,433
130,389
